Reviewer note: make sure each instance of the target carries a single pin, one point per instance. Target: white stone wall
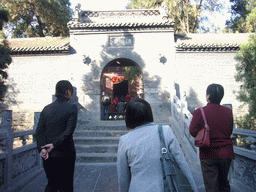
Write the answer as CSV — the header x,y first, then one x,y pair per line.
x,y
195,71
34,79
146,52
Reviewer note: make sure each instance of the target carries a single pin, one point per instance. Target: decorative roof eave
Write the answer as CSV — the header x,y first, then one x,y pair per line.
x,y
131,19
184,47
40,51
125,25
222,42
39,46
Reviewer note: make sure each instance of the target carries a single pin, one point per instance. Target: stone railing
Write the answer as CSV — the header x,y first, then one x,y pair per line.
x,y
243,169
20,165
244,166
183,118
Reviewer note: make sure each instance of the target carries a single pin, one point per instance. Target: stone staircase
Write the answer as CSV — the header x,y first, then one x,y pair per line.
x,y
98,143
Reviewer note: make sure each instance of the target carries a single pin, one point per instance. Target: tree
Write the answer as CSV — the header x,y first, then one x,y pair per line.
x,y
246,74
5,58
38,18
186,14
3,18
243,16
132,74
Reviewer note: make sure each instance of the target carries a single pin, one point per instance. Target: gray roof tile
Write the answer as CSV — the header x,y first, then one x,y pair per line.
x,y
40,45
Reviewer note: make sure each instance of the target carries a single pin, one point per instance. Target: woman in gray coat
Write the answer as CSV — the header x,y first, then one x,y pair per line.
x,y
138,158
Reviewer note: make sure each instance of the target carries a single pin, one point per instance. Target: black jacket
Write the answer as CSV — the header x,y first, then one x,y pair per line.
x,y
56,125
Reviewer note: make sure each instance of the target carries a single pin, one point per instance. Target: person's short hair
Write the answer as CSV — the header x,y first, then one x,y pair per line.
x,y
138,112
62,87
216,93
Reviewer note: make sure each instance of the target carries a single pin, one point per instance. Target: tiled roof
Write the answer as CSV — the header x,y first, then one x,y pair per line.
x,y
132,18
189,43
77,25
211,42
40,45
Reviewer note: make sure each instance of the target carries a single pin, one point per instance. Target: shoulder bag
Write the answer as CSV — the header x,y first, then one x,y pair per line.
x,y
174,179
203,137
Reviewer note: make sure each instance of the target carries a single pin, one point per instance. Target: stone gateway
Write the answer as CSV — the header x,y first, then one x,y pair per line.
x,y
104,45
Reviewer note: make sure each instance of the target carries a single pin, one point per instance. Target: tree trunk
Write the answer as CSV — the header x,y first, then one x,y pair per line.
x,y
40,33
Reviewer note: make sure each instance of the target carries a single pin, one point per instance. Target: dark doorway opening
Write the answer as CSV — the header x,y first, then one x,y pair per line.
x,y
120,89
114,83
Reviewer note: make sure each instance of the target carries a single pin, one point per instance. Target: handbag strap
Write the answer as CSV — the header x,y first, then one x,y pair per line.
x,y
161,137
205,121
167,156
165,152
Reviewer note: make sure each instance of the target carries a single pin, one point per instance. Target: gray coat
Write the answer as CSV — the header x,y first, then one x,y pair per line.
x,y
138,159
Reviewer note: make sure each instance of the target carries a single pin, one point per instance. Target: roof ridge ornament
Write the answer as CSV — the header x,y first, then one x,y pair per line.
x,y
164,11
77,12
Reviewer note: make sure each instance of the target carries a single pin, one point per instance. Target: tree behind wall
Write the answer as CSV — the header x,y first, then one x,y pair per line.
x,y
38,18
246,74
5,58
186,14
243,16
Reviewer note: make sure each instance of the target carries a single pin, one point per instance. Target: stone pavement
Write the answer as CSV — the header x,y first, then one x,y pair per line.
x,y
97,177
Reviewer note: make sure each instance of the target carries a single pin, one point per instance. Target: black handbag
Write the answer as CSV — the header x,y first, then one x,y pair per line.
x,y
174,179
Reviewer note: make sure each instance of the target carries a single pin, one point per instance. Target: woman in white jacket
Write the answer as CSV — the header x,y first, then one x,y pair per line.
x,y
138,159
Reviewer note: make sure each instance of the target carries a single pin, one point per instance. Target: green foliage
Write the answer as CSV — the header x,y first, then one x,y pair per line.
x,y
3,18
246,74
241,142
38,18
187,15
132,73
243,18
5,58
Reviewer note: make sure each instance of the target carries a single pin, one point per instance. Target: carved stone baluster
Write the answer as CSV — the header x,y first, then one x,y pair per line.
x,y
252,140
6,125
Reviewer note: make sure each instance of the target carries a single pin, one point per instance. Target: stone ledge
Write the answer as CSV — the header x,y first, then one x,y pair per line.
x,y
245,153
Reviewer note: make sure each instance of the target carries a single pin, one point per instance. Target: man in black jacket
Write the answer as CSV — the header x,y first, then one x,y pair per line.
x,y
54,136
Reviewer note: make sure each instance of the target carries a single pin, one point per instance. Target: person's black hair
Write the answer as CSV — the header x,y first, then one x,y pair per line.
x,y
62,87
216,93
138,112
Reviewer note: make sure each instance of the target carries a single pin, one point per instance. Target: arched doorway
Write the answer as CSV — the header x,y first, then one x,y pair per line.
x,y
121,78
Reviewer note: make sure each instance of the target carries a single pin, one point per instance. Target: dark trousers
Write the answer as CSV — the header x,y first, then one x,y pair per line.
x,y
103,112
215,174
60,173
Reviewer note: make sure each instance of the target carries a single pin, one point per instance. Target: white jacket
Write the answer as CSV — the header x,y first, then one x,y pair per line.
x,y
138,159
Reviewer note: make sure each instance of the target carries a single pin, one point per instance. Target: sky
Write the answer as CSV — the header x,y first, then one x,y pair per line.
x,y
106,5
100,5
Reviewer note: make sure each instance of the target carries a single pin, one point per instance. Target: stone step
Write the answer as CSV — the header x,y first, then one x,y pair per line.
x,y
103,148
96,128
96,140
98,144
95,157
99,133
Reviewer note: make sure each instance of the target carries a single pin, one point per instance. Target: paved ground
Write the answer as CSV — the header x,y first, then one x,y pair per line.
x,y
92,177
97,177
